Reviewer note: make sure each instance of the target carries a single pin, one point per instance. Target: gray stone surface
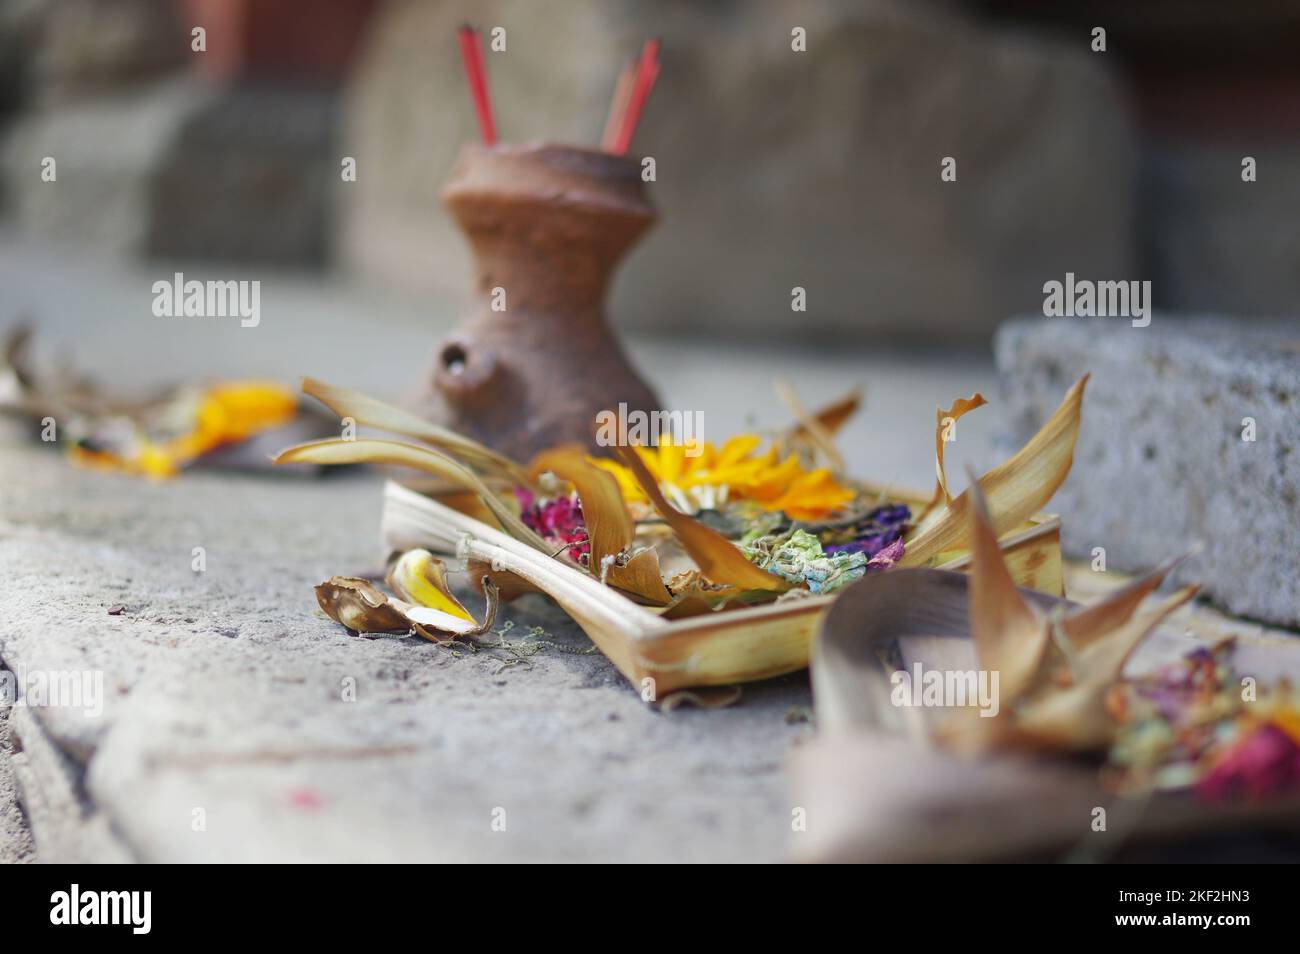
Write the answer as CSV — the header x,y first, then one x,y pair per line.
x,y
16,845
775,168
63,824
1161,463
224,695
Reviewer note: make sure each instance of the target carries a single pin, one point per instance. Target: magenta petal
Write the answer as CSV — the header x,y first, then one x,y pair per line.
x,y
1264,763
887,557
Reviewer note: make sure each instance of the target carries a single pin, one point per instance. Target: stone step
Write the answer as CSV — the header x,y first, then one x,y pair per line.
x,y
1190,429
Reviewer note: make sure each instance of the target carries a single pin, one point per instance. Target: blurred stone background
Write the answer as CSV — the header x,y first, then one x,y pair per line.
x,y
775,168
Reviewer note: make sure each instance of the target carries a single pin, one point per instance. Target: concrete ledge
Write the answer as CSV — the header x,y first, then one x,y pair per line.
x,y
65,827
1165,458
15,832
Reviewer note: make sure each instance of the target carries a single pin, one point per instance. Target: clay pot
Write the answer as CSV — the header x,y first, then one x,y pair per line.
x,y
535,363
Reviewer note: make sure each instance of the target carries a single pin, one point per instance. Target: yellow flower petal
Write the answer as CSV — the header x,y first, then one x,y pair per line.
x,y
736,472
737,449
672,462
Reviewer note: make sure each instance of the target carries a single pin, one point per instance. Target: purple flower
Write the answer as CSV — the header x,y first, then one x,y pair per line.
x,y
873,533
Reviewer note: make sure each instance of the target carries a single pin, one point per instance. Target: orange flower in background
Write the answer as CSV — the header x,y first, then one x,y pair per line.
x,y
187,427
715,476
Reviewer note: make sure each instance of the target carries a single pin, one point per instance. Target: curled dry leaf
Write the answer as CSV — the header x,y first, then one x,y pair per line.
x,y
1057,663
1075,718
375,413
1009,634
640,578
610,530
1052,695
1090,623
509,585
829,418
715,555
362,607
1015,489
817,429
943,420
427,459
693,595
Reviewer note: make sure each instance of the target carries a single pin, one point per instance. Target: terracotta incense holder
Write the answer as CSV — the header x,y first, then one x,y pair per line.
x,y
535,362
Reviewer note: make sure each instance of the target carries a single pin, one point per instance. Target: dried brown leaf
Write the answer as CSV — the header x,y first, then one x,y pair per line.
x,y
818,428
510,585
640,578
1010,635
367,451
832,416
1015,489
375,413
362,607
1102,661
715,555
1088,623
609,527
941,422
1075,718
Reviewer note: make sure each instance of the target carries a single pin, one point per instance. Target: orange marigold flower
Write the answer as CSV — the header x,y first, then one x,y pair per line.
x,y
707,477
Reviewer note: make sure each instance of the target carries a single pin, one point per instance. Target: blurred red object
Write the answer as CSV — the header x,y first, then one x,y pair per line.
x,y
256,39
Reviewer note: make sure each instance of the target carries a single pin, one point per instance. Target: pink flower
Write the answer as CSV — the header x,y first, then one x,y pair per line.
x,y
558,520
1263,763
887,557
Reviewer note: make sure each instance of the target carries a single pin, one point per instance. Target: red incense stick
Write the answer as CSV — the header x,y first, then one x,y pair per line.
x,y
618,105
647,70
475,72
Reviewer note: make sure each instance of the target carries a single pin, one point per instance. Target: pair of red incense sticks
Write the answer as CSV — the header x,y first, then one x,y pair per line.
x,y
630,93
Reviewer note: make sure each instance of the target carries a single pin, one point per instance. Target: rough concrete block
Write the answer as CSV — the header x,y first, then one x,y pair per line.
x,y
1190,433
